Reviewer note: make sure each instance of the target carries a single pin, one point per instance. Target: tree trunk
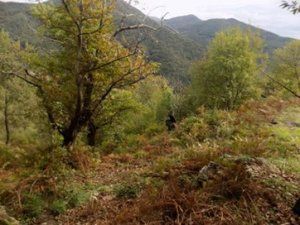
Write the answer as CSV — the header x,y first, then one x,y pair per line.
x,y
7,130
77,124
70,134
91,135
69,138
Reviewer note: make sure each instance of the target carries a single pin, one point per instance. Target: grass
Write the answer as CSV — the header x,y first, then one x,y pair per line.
x,y
286,133
285,130
288,165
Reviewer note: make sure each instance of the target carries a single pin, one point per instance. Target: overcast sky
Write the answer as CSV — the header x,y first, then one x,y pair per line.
x,y
265,14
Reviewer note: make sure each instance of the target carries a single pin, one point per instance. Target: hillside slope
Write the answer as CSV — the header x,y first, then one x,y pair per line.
x,y
239,179
203,31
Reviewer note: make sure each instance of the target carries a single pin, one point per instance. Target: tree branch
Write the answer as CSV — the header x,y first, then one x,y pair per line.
x,y
133,27
293,6
282,85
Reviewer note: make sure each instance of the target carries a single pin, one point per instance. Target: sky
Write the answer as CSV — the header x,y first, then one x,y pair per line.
x,y
265,14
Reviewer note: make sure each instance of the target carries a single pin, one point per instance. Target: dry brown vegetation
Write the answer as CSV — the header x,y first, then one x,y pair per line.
x,y
220,180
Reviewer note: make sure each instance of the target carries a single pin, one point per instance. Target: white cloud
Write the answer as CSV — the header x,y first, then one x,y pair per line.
x,y
265,14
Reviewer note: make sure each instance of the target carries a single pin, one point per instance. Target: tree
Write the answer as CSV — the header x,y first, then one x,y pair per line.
x,y
18,103
156,95
292,6
76,78
225,77
114,112
8,51
146,105
286,68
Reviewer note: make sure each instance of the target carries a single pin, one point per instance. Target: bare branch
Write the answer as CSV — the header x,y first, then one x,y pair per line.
x,y
108,63
26,80
133,27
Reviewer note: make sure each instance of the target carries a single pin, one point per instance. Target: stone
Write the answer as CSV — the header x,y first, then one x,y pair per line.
x,y
207,173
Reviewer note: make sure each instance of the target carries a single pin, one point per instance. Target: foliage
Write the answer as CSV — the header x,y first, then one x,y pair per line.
x,y
19,106
76,195
240,183
33,205
220,166
225,78
76,79
58,207
285,68
148,104
8,54
126,191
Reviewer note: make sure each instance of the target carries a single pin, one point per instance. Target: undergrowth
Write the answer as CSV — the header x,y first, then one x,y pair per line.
x,y
253,180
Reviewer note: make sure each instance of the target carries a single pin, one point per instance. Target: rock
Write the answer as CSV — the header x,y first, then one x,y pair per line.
x,y
246,161
258,167
5,219
208,172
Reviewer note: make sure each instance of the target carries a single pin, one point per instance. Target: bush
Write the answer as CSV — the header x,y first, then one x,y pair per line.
x,y
6,157
58,207
127,191
193,129
211,124
77,196
33,205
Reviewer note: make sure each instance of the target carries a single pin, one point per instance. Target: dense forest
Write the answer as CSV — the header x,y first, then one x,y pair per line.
x,y
109,116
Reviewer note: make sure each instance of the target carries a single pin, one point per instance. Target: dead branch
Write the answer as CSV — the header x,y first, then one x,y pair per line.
x,y
282,85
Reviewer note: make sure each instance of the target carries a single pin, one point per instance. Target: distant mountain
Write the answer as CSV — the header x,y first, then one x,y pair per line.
x,y
203,32
175,46
15,18
179,23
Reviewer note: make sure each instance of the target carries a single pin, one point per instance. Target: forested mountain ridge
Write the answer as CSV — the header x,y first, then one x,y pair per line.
x,y
203,31
175,45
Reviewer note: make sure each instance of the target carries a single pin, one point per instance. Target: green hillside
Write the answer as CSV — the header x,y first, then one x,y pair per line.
x,y
203,31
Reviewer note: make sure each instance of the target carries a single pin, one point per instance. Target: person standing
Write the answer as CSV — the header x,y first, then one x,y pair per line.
x,y
171,122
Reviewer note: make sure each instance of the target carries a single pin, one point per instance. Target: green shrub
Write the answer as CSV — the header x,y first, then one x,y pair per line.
x,y
58,207
127,191
77,196
193,129
33,205
6,157
154,129
10,157
164,164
